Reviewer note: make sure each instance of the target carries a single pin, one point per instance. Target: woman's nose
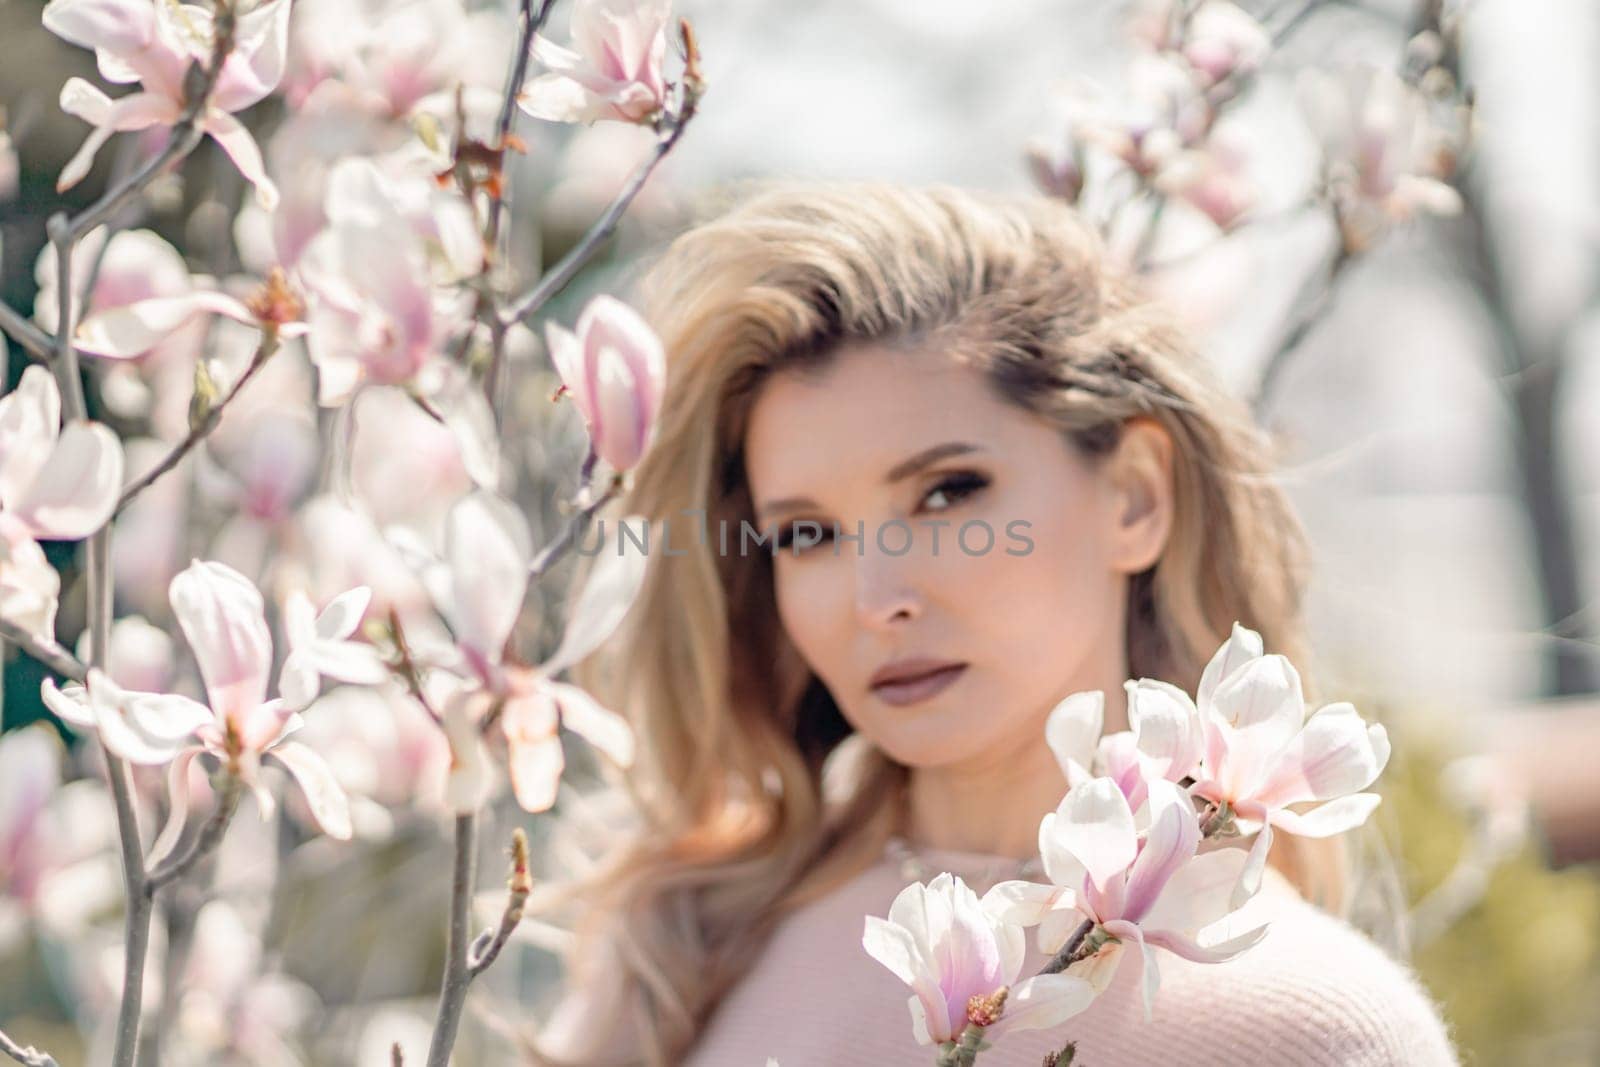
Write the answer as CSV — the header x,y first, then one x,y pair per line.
x,y
887,591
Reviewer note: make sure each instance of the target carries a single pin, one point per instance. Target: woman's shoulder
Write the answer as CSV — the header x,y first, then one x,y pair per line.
x,y
1314,991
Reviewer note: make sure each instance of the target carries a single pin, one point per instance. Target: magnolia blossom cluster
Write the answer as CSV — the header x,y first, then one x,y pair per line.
x,y
1387,153
1137,855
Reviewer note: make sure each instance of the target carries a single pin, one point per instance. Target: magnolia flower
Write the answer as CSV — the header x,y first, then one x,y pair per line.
x,y
154,43
1165,741
319,646
950,947
1263,754
614,69
1385,160
56,483
480,586
1223,41
1213,179
221,614
615,370
1147,889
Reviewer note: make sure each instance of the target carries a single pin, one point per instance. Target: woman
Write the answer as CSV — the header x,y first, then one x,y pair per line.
x,y
872,377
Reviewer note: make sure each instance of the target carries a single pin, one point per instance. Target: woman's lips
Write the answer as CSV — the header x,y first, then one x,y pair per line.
x,y
915,690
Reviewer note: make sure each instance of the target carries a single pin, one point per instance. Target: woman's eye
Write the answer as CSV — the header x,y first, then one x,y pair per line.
x,y
956,487
808,534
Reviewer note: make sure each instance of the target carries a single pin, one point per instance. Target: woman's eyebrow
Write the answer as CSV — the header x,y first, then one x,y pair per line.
x,y
899,472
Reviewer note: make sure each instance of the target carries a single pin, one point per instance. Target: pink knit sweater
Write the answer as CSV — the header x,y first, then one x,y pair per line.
x,y
1313,993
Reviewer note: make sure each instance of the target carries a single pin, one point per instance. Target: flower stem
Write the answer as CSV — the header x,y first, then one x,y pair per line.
x,y
457,972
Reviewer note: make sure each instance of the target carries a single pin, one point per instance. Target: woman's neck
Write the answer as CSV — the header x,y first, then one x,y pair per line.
x,y
992,804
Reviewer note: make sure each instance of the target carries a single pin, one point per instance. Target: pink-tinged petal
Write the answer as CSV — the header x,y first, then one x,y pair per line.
x,y
236,141
298,682
1334,817
121,732
1073,730
328,804
1242,646
613,585
178,810
1171,842
1095,825
29,585
1168,728
555,98
1193,950
256,65
1261,703
566,353
347,661
1042,1002
595,723
77,490
70,704
1060,866
898,949
220,611
1254,868
136,111
30,422
470,420
344,613
1150,973
554,56
536,768
1198,893
132,330
625,374
167,716
115,25
488,550
1336,753
1025,903
467,782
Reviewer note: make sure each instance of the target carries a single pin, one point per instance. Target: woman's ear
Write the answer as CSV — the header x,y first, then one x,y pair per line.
x,y
1139,471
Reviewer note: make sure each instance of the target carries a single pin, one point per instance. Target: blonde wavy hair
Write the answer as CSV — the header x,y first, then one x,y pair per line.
x,y
736,826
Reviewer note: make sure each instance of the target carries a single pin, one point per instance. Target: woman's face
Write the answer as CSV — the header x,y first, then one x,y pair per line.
x,y
988,544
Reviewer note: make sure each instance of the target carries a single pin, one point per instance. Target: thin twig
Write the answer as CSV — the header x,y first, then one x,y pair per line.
x,y
532,22
45,650
34,341
209,837
457,973
201,429
1064,957
488,944
29,1055
407,667
557,548
563,272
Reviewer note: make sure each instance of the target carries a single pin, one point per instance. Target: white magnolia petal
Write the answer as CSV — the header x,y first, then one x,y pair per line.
x,y
1073,730
298,682
536,767
70,704
1167,726
1242,646
114,25
1254,868
1199,893
236,141
132,330
1025,903
894,947
556,98
220,612
1150,971
344,613
488,552
1096,826
1334,817
178,810
324,796
1336,753
595,723
166,716
613,585
347,661
1042,1002
77,490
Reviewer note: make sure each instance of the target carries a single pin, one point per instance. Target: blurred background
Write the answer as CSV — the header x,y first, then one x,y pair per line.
x,y
1399,269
